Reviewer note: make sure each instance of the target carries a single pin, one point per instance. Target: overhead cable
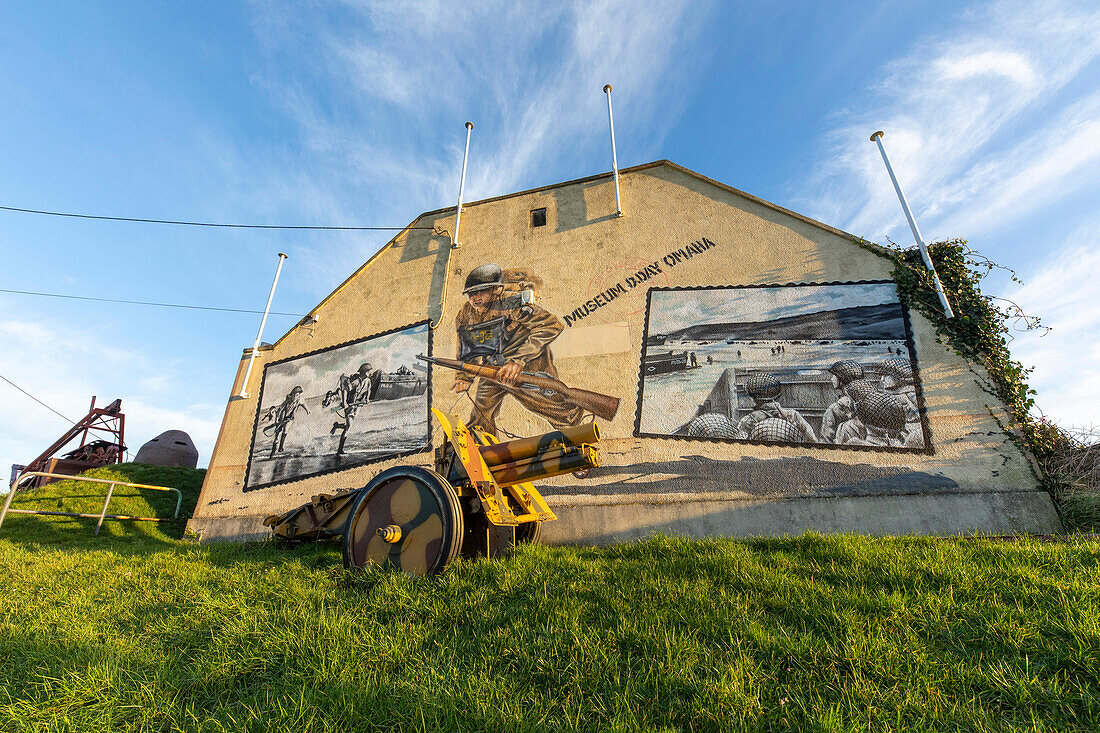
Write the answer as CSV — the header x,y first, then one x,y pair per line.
x,y
202,223
36,399
146,302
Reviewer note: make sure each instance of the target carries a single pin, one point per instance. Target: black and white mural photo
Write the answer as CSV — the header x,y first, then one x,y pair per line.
x,y
341,407
830,365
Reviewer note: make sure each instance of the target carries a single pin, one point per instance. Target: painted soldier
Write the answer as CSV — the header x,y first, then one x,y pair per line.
x,y
353,391
769,421
847,377
898,380
510,331
281,416
879,421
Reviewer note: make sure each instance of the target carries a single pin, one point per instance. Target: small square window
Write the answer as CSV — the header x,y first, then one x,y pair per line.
x,y
538,218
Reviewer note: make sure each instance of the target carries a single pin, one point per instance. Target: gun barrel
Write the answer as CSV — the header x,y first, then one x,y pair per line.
x,y
602,406
442,361
547,465
521,448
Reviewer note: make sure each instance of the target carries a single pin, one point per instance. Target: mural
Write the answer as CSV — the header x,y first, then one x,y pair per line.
x,y
504,340
830,365
341,407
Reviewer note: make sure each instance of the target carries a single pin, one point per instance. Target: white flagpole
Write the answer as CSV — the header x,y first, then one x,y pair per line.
x,y
263,321
614,158
876,137
462,184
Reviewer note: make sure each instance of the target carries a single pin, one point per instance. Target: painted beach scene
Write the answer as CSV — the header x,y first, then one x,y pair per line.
x,y
803,364
340,408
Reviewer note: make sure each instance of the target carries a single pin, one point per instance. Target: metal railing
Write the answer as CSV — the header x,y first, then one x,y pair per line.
x,y
103,514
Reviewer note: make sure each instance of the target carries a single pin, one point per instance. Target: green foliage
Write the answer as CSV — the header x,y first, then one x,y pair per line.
x,y
811,633
978,330
1072,473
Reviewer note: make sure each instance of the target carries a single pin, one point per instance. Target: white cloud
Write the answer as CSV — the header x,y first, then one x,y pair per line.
x,y
985,128
1063,291
1046,166
1011,65
64,366
958,113
382,101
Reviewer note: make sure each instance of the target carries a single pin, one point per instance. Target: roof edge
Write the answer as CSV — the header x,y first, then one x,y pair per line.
x,y
662,162
539,189
768,204
656,164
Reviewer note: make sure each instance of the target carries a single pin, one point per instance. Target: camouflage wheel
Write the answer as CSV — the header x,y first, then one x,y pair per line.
x,y
408,519
529,533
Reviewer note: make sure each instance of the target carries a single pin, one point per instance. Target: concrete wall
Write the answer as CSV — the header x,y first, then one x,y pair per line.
x,y
585,250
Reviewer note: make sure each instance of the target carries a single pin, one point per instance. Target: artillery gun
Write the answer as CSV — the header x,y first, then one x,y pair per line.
x,y
478,500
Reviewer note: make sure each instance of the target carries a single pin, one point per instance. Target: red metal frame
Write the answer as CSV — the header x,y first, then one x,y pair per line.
x,y
107,424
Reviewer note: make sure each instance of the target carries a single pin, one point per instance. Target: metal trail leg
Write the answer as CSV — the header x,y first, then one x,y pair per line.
x,y
500,541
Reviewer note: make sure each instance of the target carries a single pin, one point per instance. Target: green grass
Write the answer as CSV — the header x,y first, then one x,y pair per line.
x,y
137,630
1080,508
87,498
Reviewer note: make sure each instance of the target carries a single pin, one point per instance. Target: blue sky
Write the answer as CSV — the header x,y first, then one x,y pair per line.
x,y
347,113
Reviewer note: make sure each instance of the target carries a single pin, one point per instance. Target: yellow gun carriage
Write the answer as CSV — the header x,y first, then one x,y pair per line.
x,y
478,500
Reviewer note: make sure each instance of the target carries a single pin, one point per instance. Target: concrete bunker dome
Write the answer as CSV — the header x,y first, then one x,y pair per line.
x,y
671,310
170,448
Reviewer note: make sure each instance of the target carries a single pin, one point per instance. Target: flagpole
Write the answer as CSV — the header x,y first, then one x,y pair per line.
x,y
263,321
614,157
876,138
462,184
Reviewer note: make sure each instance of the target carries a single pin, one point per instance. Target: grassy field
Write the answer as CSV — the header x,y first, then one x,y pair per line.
x,y
140,630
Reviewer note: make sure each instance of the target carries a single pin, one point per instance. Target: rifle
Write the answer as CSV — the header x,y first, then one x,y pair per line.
x,y
601,405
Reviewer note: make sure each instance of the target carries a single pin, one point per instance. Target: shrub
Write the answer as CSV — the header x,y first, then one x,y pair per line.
x,y
979,333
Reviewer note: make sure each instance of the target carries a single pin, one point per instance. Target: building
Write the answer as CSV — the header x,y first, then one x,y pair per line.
x,y
760,374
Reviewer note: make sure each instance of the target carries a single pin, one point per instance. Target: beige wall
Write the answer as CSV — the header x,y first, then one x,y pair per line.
x,y
583,250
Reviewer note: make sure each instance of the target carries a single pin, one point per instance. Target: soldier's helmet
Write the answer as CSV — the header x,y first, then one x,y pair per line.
x,y
882,410
711,425
762,386
365,368
846,371
297,389
775,430
899,369
861,389
483,277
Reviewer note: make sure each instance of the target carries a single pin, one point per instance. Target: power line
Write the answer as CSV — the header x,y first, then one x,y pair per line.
x,y
201,223
37,400
145,302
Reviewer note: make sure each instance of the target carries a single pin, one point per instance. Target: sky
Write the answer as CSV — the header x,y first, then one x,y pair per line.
x,y
670,311
342,113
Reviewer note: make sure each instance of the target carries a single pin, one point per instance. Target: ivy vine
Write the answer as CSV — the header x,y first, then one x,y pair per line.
x,y
979,332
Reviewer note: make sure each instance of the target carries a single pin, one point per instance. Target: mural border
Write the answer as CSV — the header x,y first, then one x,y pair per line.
x,y
910,345
327,472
